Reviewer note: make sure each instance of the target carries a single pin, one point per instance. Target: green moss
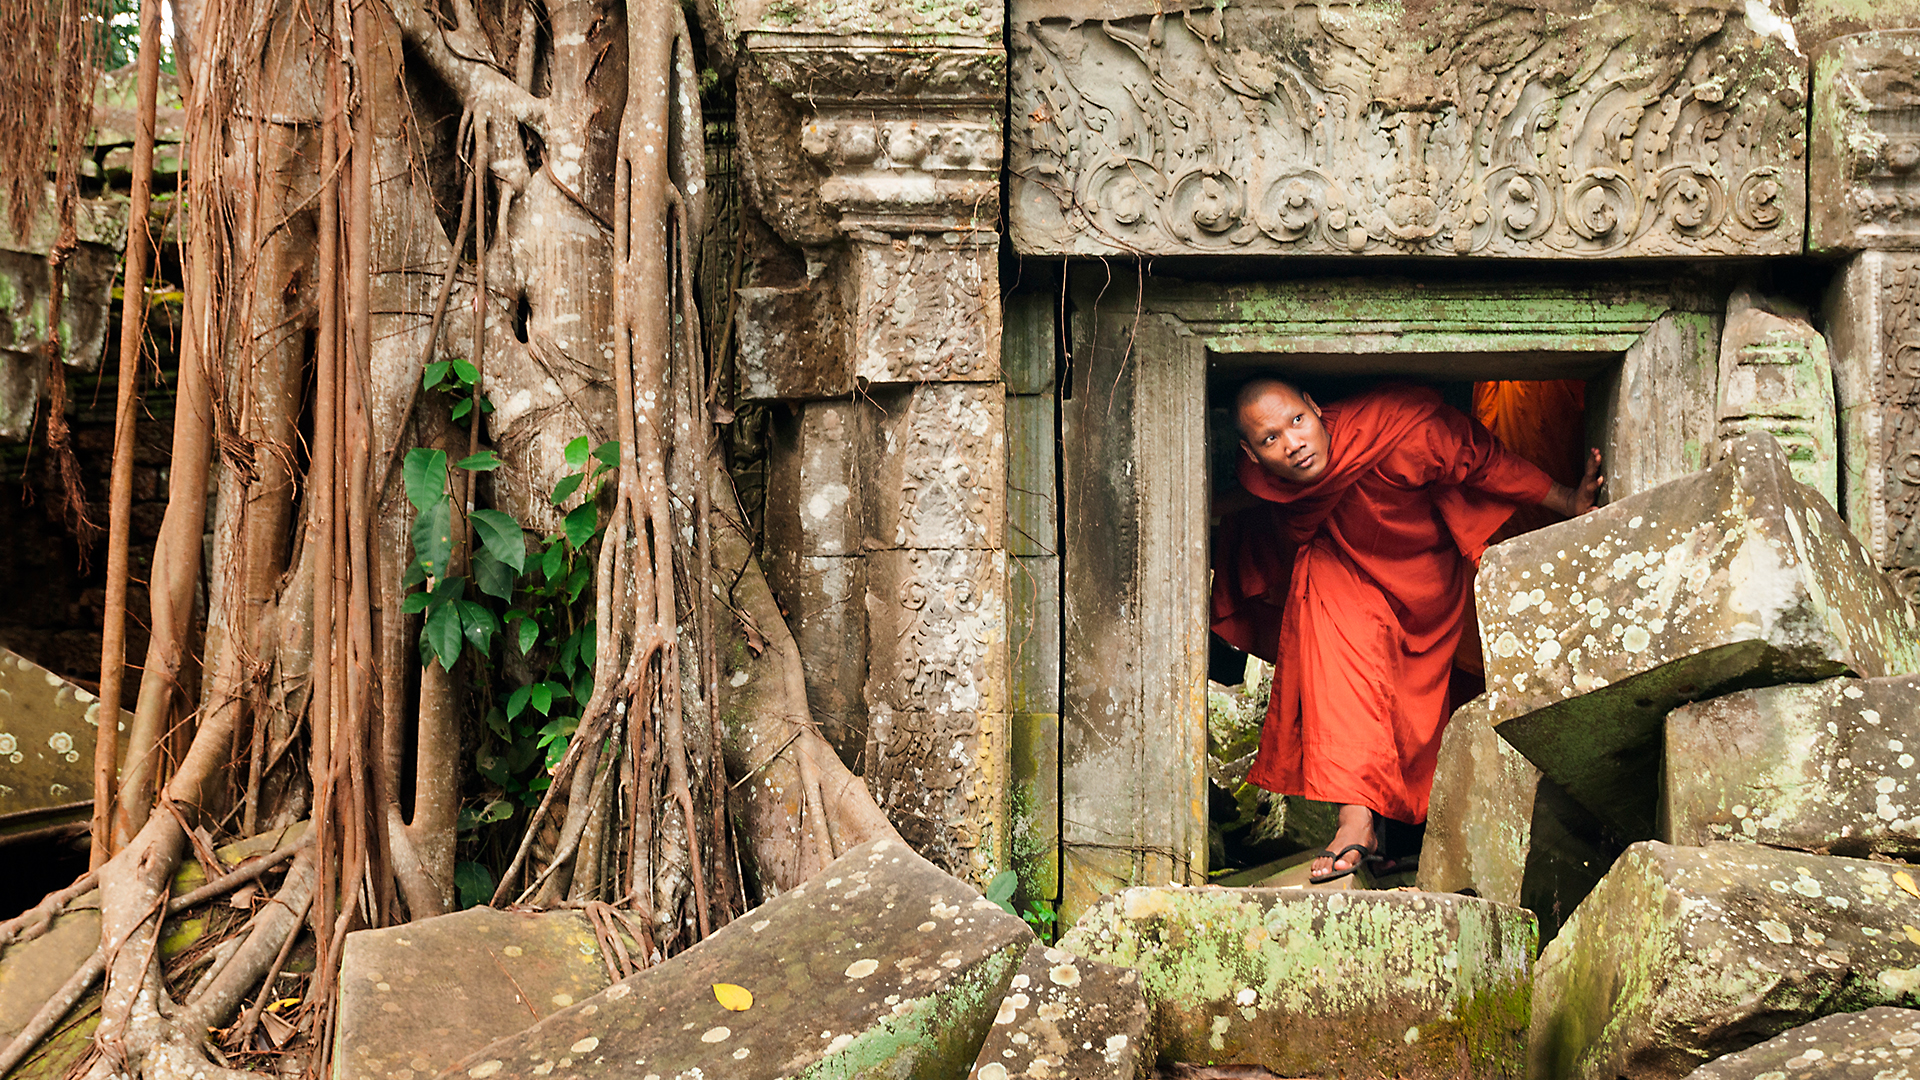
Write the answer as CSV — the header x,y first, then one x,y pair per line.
x,y
936,1037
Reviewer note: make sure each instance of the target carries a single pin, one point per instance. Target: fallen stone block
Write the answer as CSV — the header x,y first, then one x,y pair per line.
x,y
1735,577
1683,954
1499,830
1307,982
1827,766
1065,1016
1873,1044
417,998
1480,815
882,965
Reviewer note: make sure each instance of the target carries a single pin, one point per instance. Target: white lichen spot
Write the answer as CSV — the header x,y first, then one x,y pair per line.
x,y
486,1069
741,1054
1246,996
839,1043
1064,975
1777,932
714,1035
992,1070
862,968
1635,639
585,1046
760,925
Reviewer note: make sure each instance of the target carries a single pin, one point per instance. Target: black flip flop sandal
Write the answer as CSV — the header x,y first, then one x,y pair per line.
x,y
1367,855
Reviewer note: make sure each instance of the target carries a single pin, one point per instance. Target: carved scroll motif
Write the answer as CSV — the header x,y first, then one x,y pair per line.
x,y
1507,130
1900,444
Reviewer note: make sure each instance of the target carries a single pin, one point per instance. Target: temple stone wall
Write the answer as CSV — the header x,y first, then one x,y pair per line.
x,y
985,512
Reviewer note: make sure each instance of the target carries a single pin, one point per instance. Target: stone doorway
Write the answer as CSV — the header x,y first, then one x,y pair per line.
x,y
1136,361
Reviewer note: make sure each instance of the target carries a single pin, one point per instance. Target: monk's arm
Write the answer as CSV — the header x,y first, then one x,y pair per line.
x,y
1572,502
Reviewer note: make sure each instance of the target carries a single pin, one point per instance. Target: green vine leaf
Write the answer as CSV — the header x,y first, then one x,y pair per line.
x,y
434,374
564,490
542,697
415,603
433,537
580,525
528,633
465,372
478,624
502,537
425,472
608,453
577,452
440,638
484,461
492,576
518,700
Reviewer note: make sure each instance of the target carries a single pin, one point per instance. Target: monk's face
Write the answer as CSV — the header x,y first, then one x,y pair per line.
x,y
1282,432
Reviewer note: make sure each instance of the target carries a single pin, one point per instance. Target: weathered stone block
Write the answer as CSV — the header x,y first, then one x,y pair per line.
x,y
48,727
792,343
937,627
1655,410
1312,983
1827,767
1863,153
1480,817
1873,314
1683,954
420,997
1031,336
940,473
1733,577
1033,509
880,966
943,779
929,309
1033,633
1363,134
1776,379
1872,1044
1065,1016
815,494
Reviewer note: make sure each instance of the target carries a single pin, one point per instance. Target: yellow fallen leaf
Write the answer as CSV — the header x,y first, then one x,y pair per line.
x,y
1905,881
735,998
283,1003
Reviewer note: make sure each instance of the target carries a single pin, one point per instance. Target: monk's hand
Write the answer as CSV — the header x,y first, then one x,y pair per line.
x,y
1572,502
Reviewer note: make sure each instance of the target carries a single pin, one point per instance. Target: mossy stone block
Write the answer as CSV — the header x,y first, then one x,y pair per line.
x,y
1307,982
1683,954
1872,1044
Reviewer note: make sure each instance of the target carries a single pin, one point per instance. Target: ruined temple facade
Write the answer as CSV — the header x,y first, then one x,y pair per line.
x,y
1013,256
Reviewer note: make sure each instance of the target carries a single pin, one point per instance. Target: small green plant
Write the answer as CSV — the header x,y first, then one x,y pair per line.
x,y
531,599
1039,914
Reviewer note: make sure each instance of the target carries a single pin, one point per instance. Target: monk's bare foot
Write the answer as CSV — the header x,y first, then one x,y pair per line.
x,y
1356,827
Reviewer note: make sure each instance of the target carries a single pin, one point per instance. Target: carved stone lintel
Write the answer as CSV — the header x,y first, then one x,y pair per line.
x,y
1866,143
928,309
1874,316
941,468
1536,129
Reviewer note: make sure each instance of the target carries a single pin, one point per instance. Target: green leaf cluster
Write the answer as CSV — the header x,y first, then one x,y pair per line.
x,y
521,615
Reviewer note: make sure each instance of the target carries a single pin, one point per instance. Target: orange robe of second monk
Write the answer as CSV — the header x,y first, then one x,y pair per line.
x,y
1370,572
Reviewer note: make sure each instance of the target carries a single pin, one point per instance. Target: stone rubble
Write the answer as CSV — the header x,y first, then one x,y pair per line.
x,y
882,965
1733,577
1682,954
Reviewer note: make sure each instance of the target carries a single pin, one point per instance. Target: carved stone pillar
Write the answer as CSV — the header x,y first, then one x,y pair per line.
x,y
871,141
1864,192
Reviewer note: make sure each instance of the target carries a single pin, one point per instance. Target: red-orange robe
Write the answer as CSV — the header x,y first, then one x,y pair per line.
x,y
1358,587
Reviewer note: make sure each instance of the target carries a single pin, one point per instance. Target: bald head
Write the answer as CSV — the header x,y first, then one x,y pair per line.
x,y
1280,430
1255,390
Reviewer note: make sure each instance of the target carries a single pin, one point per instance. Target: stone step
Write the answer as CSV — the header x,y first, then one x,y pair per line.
x,y
417,998
1873,1043
1065,1016
882,965
1309,982
1734,577
1827,766
1683,954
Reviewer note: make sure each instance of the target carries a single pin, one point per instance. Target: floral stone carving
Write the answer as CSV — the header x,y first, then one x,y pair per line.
x,y
1530,130
1866,144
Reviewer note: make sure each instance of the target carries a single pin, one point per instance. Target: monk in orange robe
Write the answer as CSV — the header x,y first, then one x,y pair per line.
x,y
1354,575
